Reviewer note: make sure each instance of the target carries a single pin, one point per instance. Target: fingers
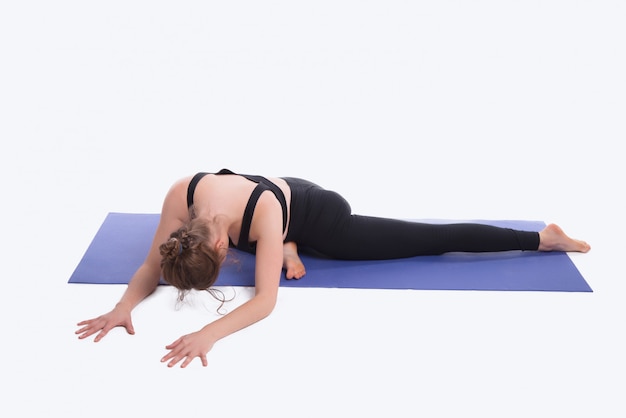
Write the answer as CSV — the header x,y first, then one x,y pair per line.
x,y
183,350
186,362
174,344
85,325
101,326
104,330
84,334
129,328
187,359
90,327
172,353
174,356
101,335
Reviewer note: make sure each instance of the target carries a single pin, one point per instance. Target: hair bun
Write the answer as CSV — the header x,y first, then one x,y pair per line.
x,y
171,248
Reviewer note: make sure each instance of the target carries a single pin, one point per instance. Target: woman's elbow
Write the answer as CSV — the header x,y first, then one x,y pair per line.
x,y
266,305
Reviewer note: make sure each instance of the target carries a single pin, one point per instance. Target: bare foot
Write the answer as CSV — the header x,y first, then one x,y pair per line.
x,y
552,238
294,268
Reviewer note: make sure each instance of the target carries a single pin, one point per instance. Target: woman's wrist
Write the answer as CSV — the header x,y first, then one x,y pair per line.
x,y
209,333
123,306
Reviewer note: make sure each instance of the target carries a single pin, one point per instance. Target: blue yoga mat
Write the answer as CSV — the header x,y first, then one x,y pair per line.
x,y
122,242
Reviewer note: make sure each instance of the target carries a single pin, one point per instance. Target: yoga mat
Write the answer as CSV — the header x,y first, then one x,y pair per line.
x,y
122,242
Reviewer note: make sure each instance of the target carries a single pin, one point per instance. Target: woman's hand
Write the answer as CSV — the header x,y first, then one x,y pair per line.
x,y
188,347
104,323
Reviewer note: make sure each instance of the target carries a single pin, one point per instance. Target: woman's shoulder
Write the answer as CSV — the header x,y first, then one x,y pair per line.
x,y
179,185
177,195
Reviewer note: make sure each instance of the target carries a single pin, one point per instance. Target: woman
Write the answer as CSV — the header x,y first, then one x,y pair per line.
x,y
204,215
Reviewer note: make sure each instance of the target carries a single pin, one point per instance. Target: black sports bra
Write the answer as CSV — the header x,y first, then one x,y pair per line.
x,y
263,184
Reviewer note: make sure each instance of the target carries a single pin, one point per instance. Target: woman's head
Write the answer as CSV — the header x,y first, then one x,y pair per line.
x,y
189,259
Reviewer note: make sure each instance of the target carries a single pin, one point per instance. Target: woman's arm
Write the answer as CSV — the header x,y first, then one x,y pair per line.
x,y
266,229
145,279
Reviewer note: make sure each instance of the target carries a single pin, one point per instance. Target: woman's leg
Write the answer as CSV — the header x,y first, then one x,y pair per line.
x,y
366,237
337,233
326,224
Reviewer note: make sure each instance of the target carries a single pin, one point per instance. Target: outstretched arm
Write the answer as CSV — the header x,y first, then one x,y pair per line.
x,y
266,231
146,278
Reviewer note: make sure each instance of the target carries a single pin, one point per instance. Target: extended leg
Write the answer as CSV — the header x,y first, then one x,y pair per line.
x,y
364,237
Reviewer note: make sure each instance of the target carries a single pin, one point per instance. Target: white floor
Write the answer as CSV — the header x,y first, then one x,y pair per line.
x,y
425,109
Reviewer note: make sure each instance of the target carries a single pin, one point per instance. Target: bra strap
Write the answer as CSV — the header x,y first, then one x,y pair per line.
x,y
244,235
192,187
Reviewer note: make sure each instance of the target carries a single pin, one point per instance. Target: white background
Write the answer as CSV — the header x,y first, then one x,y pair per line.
x,y
410,109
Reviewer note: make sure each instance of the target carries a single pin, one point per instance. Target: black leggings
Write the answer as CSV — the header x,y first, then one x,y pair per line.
x,y
322,220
